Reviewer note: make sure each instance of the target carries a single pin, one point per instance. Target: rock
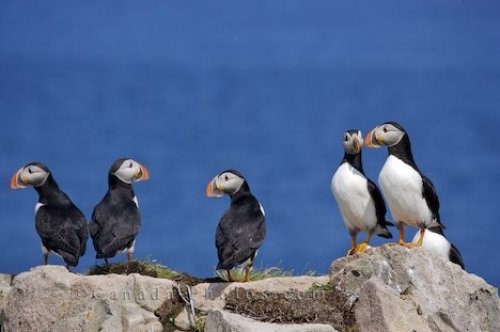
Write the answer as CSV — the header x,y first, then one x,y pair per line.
x,y
5,287
388,288
223,321
391,288
49,298
212,296
182,320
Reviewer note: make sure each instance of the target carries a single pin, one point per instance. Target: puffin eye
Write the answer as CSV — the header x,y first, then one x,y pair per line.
x,y
346,138
30,171
130,165
226,177
385,129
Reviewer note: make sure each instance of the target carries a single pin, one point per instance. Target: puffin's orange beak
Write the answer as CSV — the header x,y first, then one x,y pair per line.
x,y
16,182
212,190
144,172
371,139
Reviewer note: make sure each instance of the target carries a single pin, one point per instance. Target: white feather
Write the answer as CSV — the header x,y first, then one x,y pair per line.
x,y
262,210
37,206
435,243
135,201
401,186
45,251
349,187
129,249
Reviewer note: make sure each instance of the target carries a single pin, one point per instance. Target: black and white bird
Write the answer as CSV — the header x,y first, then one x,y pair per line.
x,y
59,223
358,198
411,196
242,228
116,220
436,242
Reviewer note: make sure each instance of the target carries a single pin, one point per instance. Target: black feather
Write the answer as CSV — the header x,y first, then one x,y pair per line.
x,y
61,226
116,220
241,230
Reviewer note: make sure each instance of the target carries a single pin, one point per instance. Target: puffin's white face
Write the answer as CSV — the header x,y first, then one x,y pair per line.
x,y
29,175
385,134
353,141
224,183
131,171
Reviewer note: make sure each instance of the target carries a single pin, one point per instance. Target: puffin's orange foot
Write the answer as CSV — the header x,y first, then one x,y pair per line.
x,y
410,245
361,247
358,248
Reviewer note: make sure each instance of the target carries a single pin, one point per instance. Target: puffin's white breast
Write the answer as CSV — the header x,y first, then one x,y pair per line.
x,y
435,243
401,186
349,187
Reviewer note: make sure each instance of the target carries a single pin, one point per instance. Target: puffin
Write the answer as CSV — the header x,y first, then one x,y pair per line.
x,y
116,219
411,196
62,227
358,198
242,229
435,241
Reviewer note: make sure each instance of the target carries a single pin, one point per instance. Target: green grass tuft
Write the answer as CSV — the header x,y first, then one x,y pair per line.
x,y
144,267
255,274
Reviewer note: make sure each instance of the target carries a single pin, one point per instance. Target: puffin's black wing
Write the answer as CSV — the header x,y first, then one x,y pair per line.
x,y
114,227
431,197
240,233
455,256
63,230
380,210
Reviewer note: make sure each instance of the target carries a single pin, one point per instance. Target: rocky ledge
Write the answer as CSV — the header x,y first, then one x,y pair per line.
x,y
388,288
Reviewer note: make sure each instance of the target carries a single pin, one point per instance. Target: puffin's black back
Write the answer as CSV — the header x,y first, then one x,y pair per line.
x,y
241,230
116,220
61,225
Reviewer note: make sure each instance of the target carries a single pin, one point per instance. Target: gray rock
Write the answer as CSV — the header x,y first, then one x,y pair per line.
x,y
49,298
182,320
389,288
392,288
5,287
211,296
223,321
5,279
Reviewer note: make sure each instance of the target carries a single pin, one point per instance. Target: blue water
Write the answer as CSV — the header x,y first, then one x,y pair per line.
x,y
266,87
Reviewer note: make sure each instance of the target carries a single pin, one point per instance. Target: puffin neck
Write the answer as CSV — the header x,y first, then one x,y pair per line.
x,y
49,193
402,150
118,186
244,191
354,160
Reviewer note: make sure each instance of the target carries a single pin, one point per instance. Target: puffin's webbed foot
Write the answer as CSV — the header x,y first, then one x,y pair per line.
x,y
408,245
229,276
246,278
358,248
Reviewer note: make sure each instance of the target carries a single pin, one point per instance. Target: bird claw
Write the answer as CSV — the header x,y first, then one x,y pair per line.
x,y
410,245
358,248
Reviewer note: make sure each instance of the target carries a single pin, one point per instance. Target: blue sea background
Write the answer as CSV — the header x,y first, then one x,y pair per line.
x,y
190,88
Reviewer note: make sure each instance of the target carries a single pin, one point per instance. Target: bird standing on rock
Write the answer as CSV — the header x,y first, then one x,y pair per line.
x,y
358,198
435,241
411,196
242,228
59,223
116,220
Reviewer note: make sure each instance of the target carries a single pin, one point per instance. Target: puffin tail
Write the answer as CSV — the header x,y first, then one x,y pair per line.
x,y
382,231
